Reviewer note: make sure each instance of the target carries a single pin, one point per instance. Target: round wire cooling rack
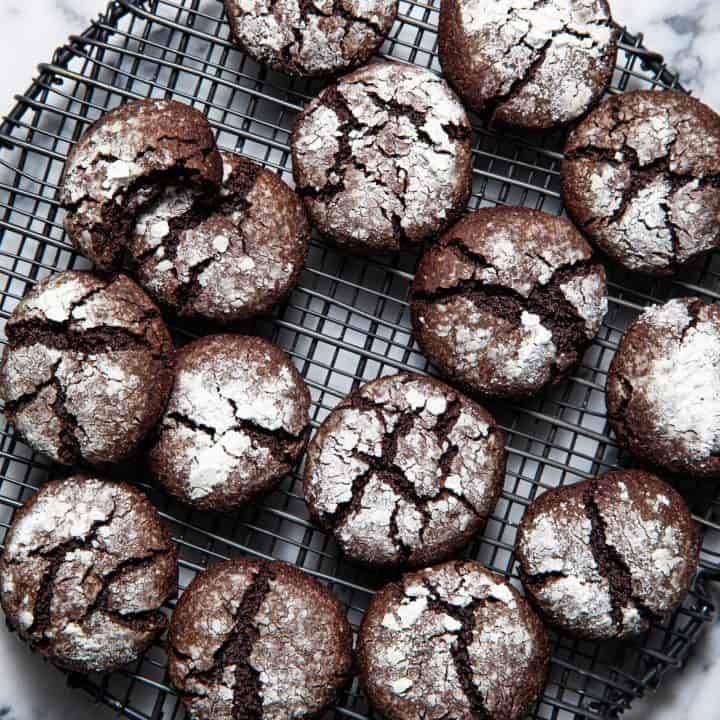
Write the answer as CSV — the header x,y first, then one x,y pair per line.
x,y
346,323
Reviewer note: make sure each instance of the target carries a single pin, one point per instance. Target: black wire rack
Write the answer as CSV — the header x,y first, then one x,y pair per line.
x,y
346,323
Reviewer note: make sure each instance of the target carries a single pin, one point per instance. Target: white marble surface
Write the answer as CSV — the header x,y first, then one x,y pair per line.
x,y
687,32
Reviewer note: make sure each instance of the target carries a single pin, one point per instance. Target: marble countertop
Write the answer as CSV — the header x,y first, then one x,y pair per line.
x,y
686,32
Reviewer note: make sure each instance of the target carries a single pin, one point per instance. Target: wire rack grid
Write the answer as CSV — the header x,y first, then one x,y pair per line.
x,y
346,323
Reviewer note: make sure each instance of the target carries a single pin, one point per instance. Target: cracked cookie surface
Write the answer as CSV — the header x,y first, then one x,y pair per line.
x,y
604,558
533,65
382,158
507,300
641,177
237,422
123,162
87,368
256,639
663,388
227,258
454,640
311,37
404,471
86,567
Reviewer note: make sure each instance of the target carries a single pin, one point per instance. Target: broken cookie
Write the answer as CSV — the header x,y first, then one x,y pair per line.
x,y
383,159
663,388
640,178
257,639
531,65
225,258
404,471
86,567
310,39
606,557
507,300
236,423
87,369
454,640
123,162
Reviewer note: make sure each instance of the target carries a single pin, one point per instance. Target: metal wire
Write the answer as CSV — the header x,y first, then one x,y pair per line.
x,y
346,323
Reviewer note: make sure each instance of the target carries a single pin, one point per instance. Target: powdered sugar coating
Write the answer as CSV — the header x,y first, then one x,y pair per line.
x,y
448,639
88,367
105,184
261,636
636,180
310,39
524,356
86,566
664,385
536,65
602,558
383,157
404,470
502,310
588,295
288,687
226,260
236,422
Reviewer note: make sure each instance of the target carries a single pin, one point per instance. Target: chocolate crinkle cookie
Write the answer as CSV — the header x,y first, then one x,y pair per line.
x,y
382,158
87,369
123,162
533,65
641,178
507,300
663,388
452,641
604,558
256,639
237,422
86,567
404,471
225,258
311,37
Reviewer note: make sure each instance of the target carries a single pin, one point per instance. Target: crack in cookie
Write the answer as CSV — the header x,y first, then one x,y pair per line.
x,y
68,336
606,557
86,568
383,158
88,368
405,470
612,567
466,617
235,652
499,309
634,179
